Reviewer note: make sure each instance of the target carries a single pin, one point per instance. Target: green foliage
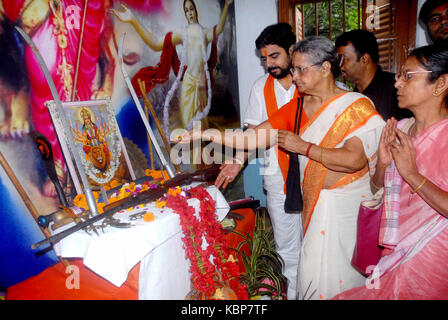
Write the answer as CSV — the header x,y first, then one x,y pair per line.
x,y
263,262
351,17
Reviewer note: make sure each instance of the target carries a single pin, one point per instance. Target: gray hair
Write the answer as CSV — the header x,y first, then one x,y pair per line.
x,y
320,49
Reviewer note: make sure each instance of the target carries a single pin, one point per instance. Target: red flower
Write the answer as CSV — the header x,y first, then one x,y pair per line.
x,y
203,271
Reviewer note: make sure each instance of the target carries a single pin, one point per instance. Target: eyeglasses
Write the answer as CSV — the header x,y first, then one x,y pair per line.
x,y
301,70
341,59
406,75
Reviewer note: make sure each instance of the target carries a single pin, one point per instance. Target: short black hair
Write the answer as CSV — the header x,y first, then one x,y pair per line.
x,y
363,41
279,34
427,7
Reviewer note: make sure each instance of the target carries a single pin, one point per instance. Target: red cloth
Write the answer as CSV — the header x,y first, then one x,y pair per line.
x,y
13,9
244,226
161,72
147,6
169,60
50,285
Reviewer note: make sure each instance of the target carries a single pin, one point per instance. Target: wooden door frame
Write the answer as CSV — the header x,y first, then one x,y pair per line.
x,y
405,31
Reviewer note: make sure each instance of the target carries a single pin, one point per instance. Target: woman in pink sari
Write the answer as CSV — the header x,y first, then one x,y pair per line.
x,y
413,168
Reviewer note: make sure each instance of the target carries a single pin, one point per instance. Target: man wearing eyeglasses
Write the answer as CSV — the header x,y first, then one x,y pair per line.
x,y
434,15
359,55
268,94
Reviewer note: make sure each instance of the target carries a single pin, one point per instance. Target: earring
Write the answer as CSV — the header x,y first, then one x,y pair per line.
x,y
436,92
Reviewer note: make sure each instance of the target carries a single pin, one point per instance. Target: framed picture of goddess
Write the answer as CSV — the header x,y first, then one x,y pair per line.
x,y
98,142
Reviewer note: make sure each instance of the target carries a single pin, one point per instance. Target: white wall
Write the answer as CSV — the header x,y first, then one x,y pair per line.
x,y
251,17
420,33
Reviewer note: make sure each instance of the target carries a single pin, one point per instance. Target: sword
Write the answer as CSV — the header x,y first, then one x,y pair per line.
x,y
203,175
71,143
165,163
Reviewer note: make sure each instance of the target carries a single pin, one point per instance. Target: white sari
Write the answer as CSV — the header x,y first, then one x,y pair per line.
x,y
331,214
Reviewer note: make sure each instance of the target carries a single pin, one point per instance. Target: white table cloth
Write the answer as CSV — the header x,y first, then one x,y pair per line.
x,y
164,269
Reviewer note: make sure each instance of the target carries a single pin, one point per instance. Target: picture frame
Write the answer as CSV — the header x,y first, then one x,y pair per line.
x,y
97,138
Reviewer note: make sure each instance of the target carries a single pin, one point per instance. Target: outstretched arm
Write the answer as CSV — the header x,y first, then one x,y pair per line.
x,y
263,136
222,21
126,15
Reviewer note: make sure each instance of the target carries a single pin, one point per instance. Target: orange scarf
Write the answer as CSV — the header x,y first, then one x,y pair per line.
x,y
271,108
354,116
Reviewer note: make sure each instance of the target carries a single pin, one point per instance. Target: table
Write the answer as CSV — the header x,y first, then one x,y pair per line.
x,y
157,245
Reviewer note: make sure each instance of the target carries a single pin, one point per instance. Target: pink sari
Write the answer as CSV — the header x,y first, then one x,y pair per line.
x,y
416,268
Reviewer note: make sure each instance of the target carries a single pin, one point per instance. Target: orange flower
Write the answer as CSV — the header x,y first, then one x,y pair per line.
x,y
114,183
156,174
160,204
100,207
175,191
80,201
148,217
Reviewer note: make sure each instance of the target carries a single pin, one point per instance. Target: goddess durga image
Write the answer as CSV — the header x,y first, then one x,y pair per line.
x,y
93,139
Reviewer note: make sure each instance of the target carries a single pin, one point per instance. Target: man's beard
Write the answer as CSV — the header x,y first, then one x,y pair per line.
x,y
283,72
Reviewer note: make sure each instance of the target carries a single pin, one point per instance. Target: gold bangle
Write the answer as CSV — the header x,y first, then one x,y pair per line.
x,y
373,183
419,187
